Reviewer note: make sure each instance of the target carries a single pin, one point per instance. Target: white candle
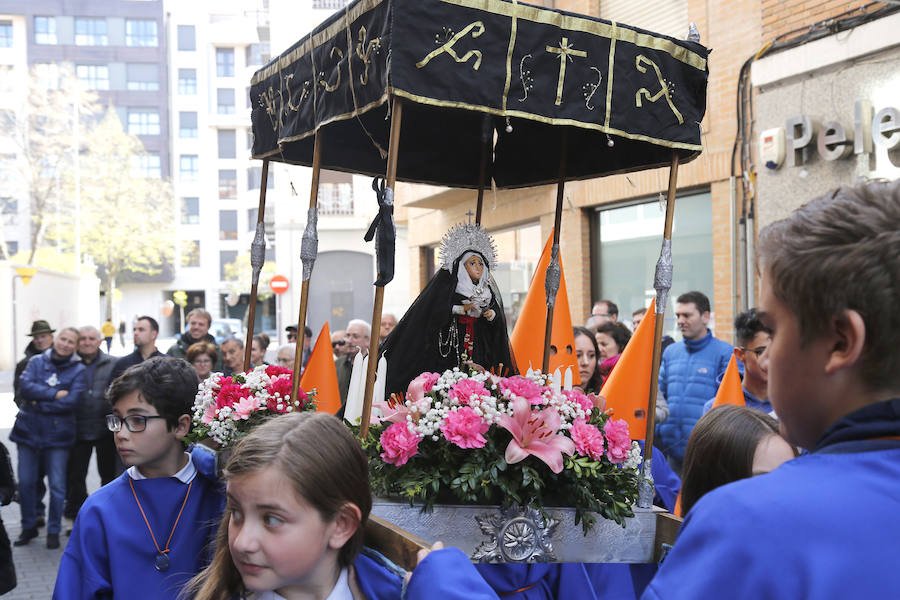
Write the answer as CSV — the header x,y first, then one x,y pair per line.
x,y
557,380
567,385
353,408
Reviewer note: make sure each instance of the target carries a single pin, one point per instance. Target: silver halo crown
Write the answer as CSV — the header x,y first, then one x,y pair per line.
x,y
464,237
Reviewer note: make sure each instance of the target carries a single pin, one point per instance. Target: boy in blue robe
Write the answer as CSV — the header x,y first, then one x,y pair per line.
x,y
147,532
826,524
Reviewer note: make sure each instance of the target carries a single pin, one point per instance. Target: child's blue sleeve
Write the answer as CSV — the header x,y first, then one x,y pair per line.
x,y
84,567
447,574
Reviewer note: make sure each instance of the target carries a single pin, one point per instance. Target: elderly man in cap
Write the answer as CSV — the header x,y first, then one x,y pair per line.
x,y
41,339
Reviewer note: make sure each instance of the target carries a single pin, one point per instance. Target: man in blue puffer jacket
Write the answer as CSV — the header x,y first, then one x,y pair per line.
x,y
51,388
688,374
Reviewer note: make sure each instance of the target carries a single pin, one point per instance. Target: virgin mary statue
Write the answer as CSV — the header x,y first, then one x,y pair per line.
x,y
457,319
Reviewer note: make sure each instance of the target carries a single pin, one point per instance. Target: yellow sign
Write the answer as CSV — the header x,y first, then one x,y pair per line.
x,y
26,273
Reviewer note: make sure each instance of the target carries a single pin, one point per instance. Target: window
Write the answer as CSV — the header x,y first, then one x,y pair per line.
x,y
147,165
335,199
190,211
226,257
6,34
329,4
9,206
227,184
252,215
258,54
254,178
225,101
90,31
187,39
627,248
227,224
47,75
227,143
143,76
44,30
225,62
94,77
141,33
12,248
190,253
188,167
143,121
187,82
187,124
7,119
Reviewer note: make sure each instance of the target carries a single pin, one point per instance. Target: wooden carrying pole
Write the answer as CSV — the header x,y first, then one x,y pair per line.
x,y
663,283
391,177
304,288
486,139
257,258
551,281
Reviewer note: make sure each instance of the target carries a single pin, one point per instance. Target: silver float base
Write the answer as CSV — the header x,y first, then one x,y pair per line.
x,y
488,535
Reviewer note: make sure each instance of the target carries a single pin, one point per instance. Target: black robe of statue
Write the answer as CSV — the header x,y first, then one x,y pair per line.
x,y
423,339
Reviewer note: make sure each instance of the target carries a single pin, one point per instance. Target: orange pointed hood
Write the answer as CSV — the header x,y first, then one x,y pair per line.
x,y
730,390
627,389
321,375
527,339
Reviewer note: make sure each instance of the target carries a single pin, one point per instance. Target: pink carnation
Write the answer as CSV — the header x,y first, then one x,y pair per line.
x,y
427,380
464,389
618,442
282,386
464,428
275,370
399,444
523,388
588,439
579,398
209,415
231,393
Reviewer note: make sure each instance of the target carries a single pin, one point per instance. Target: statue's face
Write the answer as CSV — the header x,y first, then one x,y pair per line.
x,y
474,267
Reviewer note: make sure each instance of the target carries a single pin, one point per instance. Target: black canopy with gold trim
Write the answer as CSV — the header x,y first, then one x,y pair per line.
x,y
547,71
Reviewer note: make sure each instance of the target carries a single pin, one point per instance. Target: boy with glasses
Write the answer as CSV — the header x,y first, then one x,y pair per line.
x,y
753,338
149,530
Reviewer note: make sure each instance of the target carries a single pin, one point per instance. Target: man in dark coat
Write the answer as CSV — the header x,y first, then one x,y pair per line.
x,y
90,422
41,338
145,331
198,323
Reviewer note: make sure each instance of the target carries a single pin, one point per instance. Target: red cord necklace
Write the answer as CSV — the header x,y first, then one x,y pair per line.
x,y
161,562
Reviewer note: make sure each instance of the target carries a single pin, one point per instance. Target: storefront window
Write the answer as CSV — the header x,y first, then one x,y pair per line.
x,y
627,246
518,252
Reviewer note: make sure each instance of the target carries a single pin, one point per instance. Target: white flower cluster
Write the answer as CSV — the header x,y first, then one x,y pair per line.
x,y
634,457
223,426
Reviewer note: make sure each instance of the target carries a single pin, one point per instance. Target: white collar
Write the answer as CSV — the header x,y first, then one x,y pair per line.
x,y
185,475
341,590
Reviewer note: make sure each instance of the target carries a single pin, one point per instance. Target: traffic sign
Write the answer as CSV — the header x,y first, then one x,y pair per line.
x,y
279,284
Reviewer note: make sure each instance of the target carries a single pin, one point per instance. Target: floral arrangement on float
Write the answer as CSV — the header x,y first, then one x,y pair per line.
x,y
475,438
226,408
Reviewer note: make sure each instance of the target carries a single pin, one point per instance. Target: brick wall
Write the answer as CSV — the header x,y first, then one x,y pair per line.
x,y
782,16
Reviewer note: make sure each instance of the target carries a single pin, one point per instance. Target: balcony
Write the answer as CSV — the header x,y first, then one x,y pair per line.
x,y
335,199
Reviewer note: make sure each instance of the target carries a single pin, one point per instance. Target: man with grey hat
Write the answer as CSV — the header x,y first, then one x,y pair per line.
x,y
41,338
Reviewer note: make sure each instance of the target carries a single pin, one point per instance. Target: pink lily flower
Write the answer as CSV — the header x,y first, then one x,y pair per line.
x,y
535,432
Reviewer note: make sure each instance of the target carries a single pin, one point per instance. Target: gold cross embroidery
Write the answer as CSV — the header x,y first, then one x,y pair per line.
x,y
565,52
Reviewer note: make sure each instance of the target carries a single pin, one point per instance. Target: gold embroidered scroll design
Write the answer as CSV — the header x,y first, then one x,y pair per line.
x,y
566,52
364,52
322,81
477,28
290,94
591,88
526,77
664,90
